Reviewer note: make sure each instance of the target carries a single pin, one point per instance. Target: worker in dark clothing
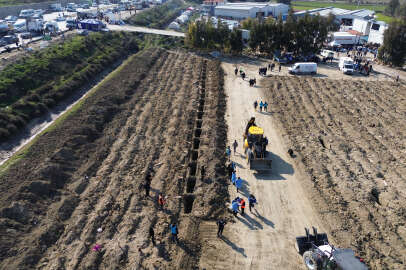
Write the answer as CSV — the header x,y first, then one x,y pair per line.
x,y
203,171
152,235
235,145
147,186
236,71
280,67
255,105
230,169
220,223
251,201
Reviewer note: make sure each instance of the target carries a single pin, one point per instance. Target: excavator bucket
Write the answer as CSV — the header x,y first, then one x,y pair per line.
x,y
261,165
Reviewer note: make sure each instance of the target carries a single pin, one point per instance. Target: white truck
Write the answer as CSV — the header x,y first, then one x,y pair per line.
x,y
26,13
346,65
35,25
303,68
343,38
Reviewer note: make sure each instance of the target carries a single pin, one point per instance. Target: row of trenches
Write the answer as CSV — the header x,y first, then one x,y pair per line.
x,y
191,176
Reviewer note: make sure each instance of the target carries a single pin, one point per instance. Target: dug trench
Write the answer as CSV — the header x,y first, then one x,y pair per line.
x,y
82,182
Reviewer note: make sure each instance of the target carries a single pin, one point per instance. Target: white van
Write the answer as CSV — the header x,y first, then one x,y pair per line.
x,y
327,53
26,13
346,65
303,68
20,25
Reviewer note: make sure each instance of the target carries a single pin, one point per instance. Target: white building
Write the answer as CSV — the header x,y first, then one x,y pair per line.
x,y
376,32
361,21
245,10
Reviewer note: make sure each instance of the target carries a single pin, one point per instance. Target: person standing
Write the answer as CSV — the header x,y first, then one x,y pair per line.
x,y
147,187
234,207
266,106
238,183
251,202
242,204
152,235
261,104
280,67
235,145
255,105
220,223
230,170
174,232
233,177
228,153
161,201
236,71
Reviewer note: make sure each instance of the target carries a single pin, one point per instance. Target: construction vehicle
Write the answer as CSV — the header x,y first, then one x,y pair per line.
x,y
318,254
255,146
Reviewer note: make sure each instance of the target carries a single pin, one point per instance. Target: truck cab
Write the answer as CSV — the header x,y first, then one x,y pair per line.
x,y
26,13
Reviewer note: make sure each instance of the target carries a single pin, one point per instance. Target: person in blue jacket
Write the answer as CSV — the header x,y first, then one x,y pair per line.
x,y
233,177
238,183
234,207
174,232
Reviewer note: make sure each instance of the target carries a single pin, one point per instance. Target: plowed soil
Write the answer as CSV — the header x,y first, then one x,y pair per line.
x,y
351,138
163,110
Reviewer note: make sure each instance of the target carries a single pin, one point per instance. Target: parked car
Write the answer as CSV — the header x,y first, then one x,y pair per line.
x,y
26,13
10,39
39,11
26,35
11,19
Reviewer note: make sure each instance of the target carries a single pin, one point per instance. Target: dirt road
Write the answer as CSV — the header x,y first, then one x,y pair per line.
x,y
263,239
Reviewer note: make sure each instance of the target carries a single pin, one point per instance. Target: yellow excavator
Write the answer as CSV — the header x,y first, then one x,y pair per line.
x,y
255,148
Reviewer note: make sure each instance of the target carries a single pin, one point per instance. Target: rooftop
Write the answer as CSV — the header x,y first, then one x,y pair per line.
x,y
362,13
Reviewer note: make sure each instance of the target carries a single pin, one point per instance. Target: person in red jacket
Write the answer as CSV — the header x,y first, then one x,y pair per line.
x,y
242,204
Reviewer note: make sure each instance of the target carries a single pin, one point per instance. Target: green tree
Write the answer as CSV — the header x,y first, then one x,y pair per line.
x,y
392,7
287,2
393,50
235,41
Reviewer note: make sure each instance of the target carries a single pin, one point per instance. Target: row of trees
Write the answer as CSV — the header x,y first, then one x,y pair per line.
x,y
395,9
214,36
393,50
302,36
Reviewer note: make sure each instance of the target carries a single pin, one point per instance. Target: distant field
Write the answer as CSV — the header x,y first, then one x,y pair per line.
x,y
304,5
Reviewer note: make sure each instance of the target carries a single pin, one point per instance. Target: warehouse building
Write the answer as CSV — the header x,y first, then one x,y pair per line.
x,y
243,10
361,21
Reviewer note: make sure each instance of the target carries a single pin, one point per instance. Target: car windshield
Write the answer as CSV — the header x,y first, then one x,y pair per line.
x,y
348,66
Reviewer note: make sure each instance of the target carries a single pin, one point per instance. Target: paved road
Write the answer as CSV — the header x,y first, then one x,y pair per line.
x,y
145,30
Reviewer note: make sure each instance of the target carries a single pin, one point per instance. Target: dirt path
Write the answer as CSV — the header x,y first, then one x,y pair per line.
x,y
262,240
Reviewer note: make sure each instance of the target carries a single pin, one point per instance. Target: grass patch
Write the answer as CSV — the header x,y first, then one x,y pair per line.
x,y
158,16
39,82
304,5
144,41
58,122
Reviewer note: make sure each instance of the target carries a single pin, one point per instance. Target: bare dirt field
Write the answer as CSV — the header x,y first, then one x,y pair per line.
x,y
351,138
163,110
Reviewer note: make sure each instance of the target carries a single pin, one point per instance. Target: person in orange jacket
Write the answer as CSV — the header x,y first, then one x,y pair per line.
x,y
242,204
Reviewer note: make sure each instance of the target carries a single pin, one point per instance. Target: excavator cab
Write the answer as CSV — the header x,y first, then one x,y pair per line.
x,y
255,144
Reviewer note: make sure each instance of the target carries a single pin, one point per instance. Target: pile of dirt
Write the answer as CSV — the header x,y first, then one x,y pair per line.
x,y
350,137
82,183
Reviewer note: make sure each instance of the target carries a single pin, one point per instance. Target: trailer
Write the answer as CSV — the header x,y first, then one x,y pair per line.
x,y
319,254
344,38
